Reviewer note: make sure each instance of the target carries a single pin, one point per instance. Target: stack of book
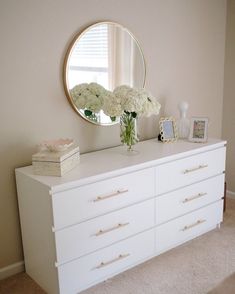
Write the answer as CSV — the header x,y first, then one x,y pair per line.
x,y
47,163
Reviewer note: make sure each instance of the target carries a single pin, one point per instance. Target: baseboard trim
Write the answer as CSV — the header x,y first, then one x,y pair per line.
x,y
231,194
11,270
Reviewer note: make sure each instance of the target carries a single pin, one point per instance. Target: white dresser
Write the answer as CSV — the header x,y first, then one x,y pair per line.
x,y
115,210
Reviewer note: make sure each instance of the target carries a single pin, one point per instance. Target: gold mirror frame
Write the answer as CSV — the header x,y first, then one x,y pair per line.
x,y
66,63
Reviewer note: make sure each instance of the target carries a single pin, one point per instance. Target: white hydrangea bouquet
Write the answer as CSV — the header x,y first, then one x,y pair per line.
x,y
89,98
124,102
129,103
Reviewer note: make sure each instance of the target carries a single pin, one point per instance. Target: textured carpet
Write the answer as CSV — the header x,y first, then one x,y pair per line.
x,y
20,284
197,267
226,287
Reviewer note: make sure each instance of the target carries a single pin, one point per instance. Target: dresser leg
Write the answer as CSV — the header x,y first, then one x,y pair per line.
x,y
218,226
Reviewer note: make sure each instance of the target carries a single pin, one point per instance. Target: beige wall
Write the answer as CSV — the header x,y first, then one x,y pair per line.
x,y
183,42
229,95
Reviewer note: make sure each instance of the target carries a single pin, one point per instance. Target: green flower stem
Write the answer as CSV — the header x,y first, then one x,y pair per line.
x,y
128,133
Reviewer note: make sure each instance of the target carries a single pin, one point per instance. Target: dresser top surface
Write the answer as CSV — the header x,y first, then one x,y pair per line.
x,y
114,161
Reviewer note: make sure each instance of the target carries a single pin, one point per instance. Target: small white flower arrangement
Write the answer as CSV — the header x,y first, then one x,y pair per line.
x,y
112,104
93,97
124,102
130,103
138,102
89,98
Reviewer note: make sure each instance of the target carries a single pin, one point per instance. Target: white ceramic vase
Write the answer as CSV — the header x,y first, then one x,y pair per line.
x,y
183,122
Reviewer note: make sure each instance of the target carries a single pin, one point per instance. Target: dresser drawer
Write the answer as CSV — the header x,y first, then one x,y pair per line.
x,y
102,231
189,170
182,201
76,205
85,271
188,227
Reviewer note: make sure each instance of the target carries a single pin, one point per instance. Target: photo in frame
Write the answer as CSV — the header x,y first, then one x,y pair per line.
x,y
168,129
198,129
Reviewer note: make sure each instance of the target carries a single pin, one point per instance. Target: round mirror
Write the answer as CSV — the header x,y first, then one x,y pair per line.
x,y
102,57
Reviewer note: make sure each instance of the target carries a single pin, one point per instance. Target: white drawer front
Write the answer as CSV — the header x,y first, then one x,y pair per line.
x,y
182,201
85,271
188,227
189,170
102,231
76,205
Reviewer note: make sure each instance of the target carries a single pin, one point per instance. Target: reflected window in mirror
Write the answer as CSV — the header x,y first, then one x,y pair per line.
x,y
89,61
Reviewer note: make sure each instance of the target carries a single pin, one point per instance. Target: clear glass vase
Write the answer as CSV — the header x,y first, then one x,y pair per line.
x,y
183,122
128,130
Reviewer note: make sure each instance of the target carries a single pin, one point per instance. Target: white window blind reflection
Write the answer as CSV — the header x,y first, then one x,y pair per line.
x,y
89,61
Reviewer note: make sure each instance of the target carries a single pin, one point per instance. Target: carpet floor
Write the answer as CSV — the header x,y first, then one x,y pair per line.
x,y
205,264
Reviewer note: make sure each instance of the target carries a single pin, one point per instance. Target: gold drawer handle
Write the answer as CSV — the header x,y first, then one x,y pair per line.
x,y
119,226
121,256
195,168
200,221
199,195
118,192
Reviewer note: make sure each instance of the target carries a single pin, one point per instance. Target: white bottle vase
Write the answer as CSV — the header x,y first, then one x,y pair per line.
x,y
183,123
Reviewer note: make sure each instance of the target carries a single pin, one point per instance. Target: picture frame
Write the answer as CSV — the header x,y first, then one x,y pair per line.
x,y
168,129
198,129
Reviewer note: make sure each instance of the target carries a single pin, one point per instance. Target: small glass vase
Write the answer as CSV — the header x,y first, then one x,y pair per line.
x,y
128,130
183,122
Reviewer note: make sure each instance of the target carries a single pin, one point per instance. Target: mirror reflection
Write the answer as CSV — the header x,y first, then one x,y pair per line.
x,y
106,54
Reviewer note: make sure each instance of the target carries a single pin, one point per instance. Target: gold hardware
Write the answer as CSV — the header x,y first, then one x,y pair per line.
x,y
118,192
101,232
194,225
195,168
121,256
199,195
